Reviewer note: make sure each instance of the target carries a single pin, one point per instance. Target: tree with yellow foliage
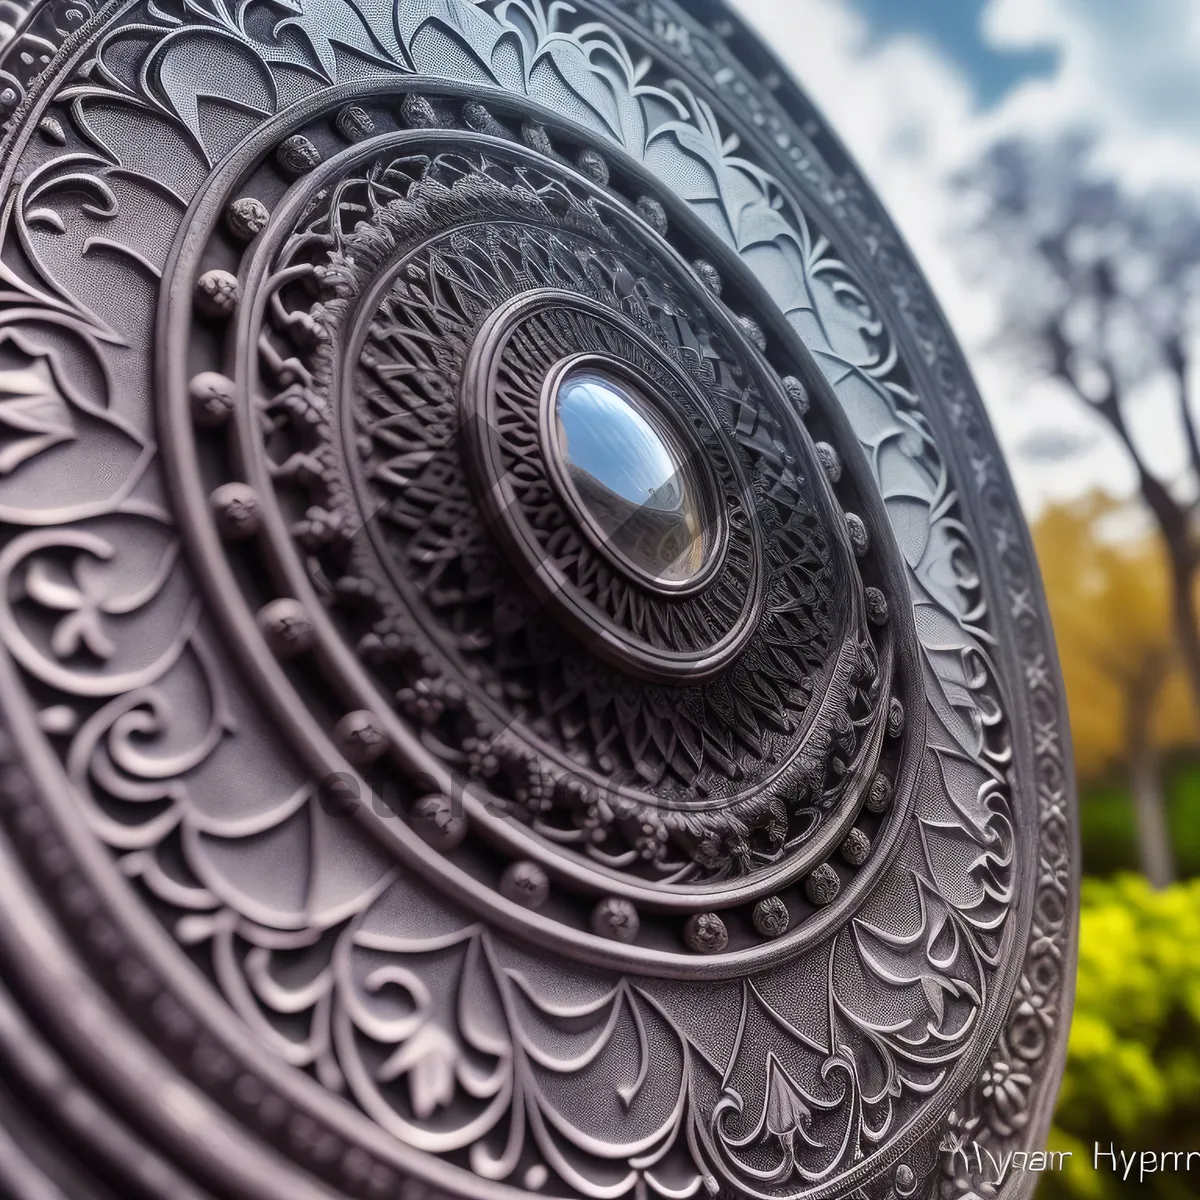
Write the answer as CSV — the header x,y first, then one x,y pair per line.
x,y
1110,597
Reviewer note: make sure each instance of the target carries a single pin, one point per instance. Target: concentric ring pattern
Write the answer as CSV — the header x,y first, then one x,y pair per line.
x,y
524,669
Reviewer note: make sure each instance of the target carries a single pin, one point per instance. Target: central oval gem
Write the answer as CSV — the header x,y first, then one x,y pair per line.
x,y
635,487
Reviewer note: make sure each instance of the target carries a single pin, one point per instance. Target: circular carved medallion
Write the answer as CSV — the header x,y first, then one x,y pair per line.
x,y
402,366
518,651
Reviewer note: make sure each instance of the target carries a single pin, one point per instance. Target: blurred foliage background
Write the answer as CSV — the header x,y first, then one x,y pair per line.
x,y
1133,1073
1043,159
1099,290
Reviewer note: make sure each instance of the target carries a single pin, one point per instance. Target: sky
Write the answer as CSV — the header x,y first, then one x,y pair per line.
x,y
955,29
916,88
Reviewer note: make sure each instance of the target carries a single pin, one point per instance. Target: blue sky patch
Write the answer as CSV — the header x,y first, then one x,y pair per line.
x,y
954,27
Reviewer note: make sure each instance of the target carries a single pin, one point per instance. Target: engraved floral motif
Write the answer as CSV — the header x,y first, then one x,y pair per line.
x,y
33,414
343,975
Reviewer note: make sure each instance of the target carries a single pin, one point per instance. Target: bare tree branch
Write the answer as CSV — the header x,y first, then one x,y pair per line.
x,y
1061,243
1178,363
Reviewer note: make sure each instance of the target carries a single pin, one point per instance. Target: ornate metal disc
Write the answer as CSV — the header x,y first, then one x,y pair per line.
x,y
522,669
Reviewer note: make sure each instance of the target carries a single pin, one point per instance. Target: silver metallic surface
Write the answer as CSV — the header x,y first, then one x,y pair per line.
x,y
376,819
629,478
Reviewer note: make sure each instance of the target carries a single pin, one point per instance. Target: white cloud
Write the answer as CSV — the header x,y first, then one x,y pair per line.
x,y
1131,71
1127,69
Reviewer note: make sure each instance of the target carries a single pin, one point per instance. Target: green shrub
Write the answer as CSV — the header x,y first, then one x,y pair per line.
x,y
1133,1068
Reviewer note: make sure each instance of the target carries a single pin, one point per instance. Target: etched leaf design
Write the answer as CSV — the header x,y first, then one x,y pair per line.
x,y
429,1059
34,416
